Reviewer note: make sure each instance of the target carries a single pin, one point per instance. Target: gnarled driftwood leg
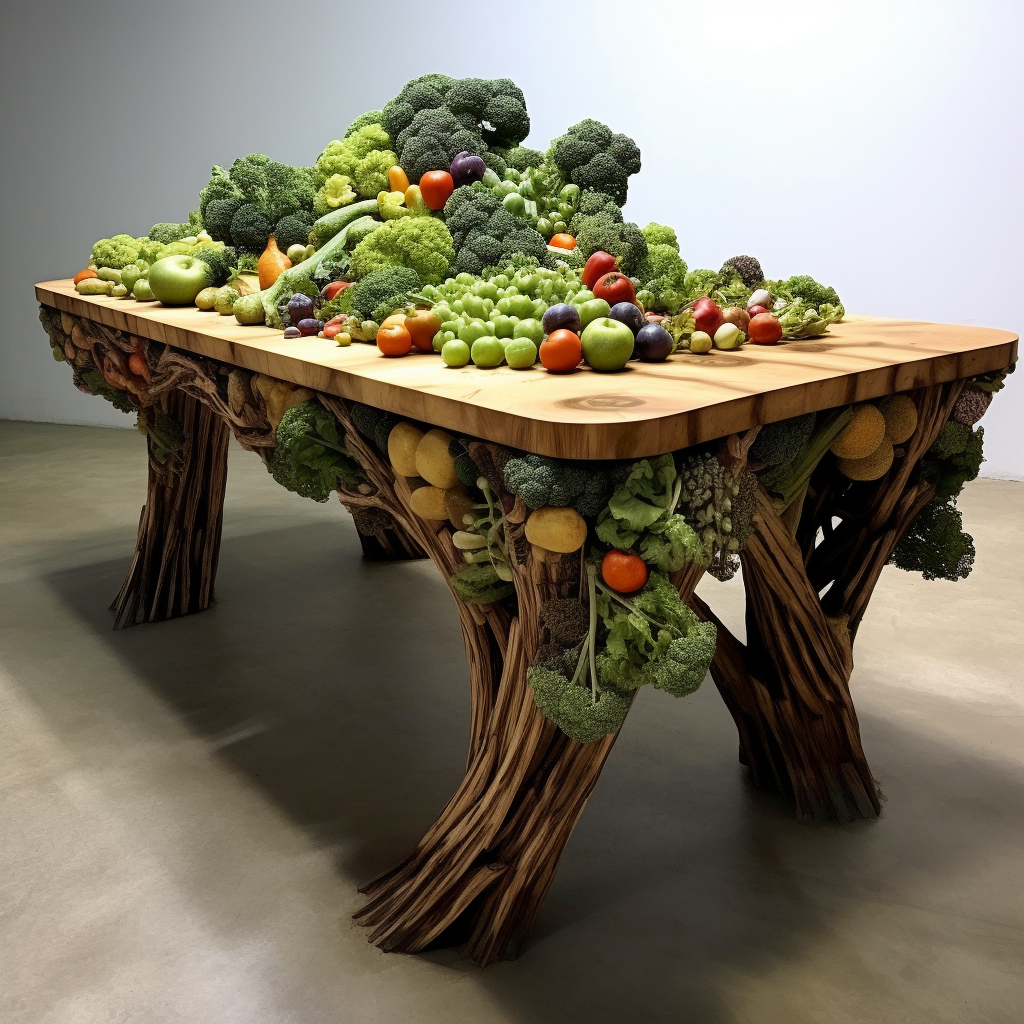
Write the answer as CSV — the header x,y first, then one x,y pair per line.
x,y
172,572
787,688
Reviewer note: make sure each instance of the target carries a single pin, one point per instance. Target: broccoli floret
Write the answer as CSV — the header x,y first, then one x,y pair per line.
x,y
166,233
602,232
423,244
150,251
780,443
593,157
251,227
952,440
541,481
277,189
116,252
522,157
591,203
363,157
370,117
595,494
386,289
950,469
220,186
747,268
580,713
374,424
435,117
936,545
310,457
805,287
219,213
293,230
663,274
248,263
220,258
661,234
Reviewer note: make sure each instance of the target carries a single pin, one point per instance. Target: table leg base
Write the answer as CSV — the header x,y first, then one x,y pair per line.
x,y
175,563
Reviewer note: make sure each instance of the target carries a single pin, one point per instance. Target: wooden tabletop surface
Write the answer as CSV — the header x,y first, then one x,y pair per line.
x,y
646,409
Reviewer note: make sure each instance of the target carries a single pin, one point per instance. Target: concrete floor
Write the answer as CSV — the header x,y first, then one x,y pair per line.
x,y
187,808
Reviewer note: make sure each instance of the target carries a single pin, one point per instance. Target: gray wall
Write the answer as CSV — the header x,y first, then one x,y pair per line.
x,y
877,146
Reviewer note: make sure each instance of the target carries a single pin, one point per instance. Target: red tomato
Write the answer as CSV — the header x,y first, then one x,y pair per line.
x,y
614,287
561,351
436,187
764,329
334,289
563,241
754,310
623,571
394,340
598,265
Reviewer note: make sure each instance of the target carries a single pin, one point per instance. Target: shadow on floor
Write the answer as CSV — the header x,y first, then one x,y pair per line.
x,y
339,689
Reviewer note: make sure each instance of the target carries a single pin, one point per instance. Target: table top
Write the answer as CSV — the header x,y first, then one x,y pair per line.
x,y
646,409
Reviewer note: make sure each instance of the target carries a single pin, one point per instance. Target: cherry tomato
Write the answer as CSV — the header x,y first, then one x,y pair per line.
x,y
764,329
623,571
614,287
561,351
436,187
393,339
563,241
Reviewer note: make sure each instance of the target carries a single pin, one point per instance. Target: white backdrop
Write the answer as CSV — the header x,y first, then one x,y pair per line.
x,y
876,146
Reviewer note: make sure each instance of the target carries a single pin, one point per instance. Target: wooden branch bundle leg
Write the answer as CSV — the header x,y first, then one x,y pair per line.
x,y
380,537
175,562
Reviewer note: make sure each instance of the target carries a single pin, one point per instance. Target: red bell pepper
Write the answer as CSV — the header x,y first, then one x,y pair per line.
x,y
599,264
614,287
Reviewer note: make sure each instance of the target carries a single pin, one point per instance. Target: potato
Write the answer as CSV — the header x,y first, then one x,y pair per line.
x,y
556,529
402,443
279,397
428,503
433,462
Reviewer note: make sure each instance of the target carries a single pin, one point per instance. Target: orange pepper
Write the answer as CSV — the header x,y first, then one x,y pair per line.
x,y
84,275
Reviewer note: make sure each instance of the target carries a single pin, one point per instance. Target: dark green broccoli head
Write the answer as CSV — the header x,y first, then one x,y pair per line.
x,y
541,481
218,218
374,424
484,232
953,460
370,117
251,227
579,713
220,186
167,233
936,545
277,188
624,241
805,287
382,292
292,230
522,157
310,458
593,157
592,203
779,443
221,259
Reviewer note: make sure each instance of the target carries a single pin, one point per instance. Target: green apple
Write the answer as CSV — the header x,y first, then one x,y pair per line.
x,y
607,344
177,280
593,309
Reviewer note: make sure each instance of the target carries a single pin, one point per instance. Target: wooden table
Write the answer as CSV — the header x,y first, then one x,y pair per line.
x,y
480,873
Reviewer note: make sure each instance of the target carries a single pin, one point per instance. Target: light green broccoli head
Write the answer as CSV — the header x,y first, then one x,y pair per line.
x,y
117,251
363,157
334,192
423,244
661,234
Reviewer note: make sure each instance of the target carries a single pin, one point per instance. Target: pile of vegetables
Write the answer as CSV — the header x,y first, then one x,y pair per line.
x,y
439,183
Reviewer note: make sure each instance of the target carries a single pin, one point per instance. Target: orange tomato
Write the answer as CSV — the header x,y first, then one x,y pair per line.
x,y
561,351
395,318
623,571
563,241
436,187
398,180
393,339
84,275
422,326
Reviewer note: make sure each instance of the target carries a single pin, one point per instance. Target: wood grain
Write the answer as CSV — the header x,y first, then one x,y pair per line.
x,y
646,409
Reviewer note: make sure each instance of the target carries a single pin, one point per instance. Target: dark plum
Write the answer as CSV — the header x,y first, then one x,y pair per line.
x,y
467,168
300,307
629,314
310,326
561,317
653,343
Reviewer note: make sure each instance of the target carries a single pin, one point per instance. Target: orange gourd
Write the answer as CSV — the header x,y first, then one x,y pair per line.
x,y
272,264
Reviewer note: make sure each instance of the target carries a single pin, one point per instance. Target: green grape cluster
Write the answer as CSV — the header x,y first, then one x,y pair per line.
x,y
506,304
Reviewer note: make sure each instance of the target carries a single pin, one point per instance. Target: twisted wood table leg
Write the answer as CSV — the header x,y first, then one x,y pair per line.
x,y
175,563
787,688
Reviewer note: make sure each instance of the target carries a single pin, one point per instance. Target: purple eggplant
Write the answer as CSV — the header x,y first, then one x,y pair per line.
x,y
628,314
292,332
653,343
466,168
561,317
